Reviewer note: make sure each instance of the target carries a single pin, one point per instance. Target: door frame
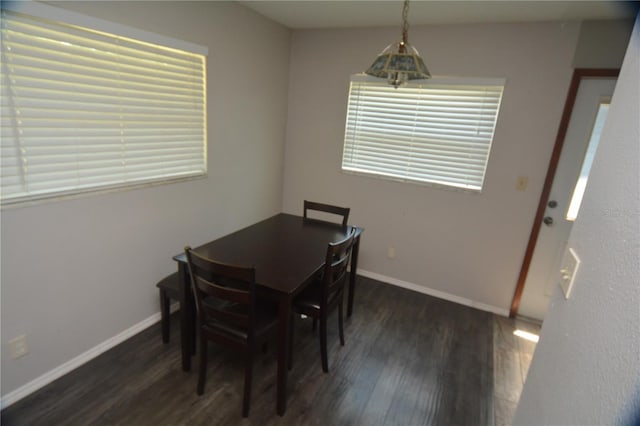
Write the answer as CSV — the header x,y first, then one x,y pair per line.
x,y
578,75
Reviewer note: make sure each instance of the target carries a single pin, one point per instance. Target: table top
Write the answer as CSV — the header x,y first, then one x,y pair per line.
x,y
285,249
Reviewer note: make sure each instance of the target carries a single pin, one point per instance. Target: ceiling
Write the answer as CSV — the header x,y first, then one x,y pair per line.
x,y
307,14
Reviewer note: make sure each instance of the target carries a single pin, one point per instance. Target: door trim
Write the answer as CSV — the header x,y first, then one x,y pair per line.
x,y
578,75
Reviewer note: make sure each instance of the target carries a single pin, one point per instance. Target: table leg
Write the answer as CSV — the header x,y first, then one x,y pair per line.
x,y
186,317
283,352
352,276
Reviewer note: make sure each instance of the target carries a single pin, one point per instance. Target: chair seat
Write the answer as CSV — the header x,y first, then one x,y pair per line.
x,y
309,299
171,285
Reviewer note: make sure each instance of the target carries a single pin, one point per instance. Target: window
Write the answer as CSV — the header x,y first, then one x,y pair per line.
x,y
581,183
438,133
85,109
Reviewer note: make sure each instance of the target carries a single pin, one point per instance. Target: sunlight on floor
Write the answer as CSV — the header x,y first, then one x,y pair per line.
x,y
526,335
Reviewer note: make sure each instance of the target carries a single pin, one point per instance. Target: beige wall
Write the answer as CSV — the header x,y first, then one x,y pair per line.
x,y
76,273
602,44
467,247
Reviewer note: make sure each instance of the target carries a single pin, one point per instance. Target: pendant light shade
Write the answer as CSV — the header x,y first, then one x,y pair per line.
x,y
399,62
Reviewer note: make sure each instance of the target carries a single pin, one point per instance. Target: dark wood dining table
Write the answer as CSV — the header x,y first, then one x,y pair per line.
x,y
287,251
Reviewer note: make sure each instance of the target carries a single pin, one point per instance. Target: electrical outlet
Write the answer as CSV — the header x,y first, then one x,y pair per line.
x,y
18,347
570,265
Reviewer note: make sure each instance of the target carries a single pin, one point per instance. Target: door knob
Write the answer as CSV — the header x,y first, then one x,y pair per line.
x,y
548,220
552,204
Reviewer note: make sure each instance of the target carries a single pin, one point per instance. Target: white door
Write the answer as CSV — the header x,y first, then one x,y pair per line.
x,y
583,133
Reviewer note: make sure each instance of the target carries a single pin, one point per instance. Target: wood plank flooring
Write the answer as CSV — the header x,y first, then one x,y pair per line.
x,y
409,359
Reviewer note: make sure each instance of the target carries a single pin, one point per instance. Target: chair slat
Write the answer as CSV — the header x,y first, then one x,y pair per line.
x,y
327,208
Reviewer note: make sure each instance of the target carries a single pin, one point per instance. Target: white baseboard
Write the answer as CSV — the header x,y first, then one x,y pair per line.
x,y
435,293
72,364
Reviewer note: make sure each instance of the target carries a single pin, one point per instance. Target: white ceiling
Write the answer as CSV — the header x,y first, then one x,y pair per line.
x,y
305,14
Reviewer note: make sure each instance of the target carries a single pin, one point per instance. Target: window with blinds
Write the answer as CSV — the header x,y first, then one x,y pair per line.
x,y
85,110
438,133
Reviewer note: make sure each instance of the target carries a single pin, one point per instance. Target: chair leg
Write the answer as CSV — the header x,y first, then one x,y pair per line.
x,y
291,325
340,324
194,326
164,316
248,378
202,373
323,343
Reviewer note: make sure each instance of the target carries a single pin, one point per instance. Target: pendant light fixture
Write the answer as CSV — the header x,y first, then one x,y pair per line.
x,y
400,62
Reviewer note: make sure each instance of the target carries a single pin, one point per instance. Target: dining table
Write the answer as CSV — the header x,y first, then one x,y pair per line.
x,y
287,252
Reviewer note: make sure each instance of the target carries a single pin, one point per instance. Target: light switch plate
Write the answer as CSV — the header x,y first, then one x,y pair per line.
x,y
570,265
521,183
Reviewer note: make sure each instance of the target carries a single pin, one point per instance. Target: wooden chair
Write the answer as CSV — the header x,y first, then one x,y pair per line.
x,y
327,208
228,313
324,295
169,288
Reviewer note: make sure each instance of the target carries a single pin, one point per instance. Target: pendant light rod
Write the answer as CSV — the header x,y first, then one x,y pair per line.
x,y
405,22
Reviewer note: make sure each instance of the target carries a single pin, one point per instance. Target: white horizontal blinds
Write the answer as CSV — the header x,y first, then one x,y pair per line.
x,y
434,133
89,110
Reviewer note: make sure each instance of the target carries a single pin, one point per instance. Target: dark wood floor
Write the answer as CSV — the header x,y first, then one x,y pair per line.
x,y
409,359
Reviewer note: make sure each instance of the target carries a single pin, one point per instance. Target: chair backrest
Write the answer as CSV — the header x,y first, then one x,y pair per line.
x,y
225,296
335,270
327,208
